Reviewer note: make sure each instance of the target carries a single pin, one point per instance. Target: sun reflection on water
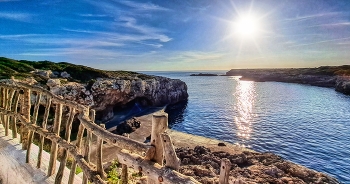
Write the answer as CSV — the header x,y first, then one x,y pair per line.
x,y
245,98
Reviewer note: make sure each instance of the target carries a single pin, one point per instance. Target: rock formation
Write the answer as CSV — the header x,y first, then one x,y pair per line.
x,y
127,126
247,167
333,77
104,94
343,85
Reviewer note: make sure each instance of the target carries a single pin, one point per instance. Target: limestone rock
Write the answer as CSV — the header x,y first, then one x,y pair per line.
x,y
30,81
65,75
72,91
103,94
53,83
266,167
128,126
158,91
45,73
343,85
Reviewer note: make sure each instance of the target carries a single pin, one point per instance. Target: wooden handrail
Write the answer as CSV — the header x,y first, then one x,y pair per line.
x,y
20,86
72,149
131,153
122,142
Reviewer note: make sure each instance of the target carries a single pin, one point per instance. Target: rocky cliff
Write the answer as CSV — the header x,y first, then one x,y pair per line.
x,y
106,94
102,90
343,84
337,77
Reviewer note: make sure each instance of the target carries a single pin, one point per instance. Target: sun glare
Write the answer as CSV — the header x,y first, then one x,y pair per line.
x,y
247,26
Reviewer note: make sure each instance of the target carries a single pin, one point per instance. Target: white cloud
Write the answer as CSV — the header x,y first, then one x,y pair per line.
x,y
156,45
151,32
23,17
7,0
144,6
49,39
196,56
71,51
93,15
320,42
314,16
345,23
138,32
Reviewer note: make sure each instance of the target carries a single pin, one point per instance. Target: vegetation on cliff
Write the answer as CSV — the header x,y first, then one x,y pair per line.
x,y
343,70
23,68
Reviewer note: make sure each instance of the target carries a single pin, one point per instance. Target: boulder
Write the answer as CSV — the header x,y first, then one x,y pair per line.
x,y
128,126
343,85
45,73
51,83
65,74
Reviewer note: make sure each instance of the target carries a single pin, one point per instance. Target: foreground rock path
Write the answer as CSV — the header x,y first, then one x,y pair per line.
x,y
247,167
201,157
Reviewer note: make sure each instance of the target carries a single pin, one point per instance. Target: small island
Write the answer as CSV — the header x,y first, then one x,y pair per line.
x,y
204,74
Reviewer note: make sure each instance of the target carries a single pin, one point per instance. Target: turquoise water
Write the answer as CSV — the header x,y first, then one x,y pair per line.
x,y
305,124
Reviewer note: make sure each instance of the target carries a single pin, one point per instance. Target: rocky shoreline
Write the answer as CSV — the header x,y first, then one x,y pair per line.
x,y
332,77
246,167
201,158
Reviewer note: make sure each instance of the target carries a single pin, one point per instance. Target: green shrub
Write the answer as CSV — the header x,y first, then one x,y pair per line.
x,y
78,73
78,170
113,177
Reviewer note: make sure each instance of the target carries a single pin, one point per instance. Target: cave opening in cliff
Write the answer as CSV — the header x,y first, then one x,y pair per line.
x,y
114,114
133,107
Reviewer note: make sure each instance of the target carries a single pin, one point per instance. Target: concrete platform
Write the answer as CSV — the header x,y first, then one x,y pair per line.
x,y
14,170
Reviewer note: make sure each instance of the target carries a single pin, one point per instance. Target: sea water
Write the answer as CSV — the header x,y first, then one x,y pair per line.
x,y
305,124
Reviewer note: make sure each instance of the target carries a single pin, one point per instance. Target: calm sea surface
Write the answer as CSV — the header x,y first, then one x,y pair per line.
x,y
305,124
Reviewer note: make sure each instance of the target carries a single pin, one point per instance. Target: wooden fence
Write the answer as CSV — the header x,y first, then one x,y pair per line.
x,y
20,105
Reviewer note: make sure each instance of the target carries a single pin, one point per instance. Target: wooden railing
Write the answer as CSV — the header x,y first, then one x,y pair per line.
x,y
25,110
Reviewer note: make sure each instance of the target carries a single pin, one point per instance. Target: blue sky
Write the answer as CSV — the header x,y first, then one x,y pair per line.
x,y
177,35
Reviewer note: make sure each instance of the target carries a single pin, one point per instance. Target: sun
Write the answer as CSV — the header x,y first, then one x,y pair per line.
x,y
247,26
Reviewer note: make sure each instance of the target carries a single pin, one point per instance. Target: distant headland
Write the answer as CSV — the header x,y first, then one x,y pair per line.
x,y
204,74
337,77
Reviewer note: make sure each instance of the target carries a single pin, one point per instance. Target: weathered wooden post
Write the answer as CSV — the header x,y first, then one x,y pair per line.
x,y
124,175
14,119
2,100
11,93
34,119
54,146
5,120
26,105
92,115
99,163
159,126
79,140
64,157
44,123
224,171
171,160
